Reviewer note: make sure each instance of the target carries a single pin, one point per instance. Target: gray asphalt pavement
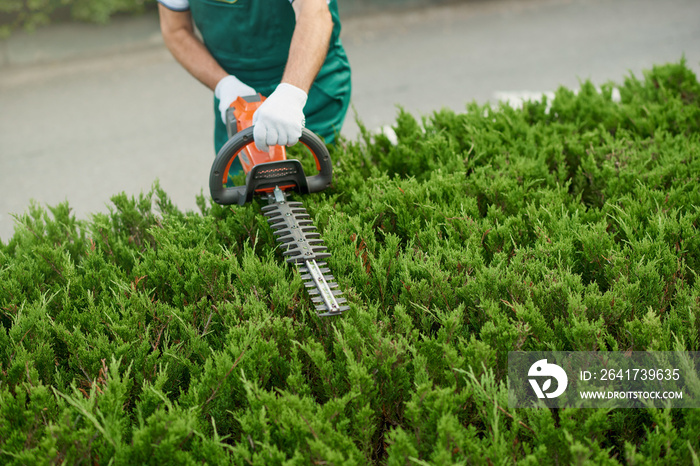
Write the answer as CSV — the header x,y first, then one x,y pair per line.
x,y
116,111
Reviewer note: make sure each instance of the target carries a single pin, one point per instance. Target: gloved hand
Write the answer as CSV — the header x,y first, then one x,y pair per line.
x,y
280,118
229,89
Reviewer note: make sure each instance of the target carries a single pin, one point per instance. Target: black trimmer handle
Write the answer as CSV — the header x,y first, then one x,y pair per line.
x,y
271,174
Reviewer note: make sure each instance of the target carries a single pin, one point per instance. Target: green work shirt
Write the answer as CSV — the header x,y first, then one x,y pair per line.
x,y
250,39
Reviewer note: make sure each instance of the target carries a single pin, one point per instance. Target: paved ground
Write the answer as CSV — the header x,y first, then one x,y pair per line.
x,y
117,112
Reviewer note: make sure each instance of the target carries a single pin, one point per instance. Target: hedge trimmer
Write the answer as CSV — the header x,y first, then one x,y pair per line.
x,y
271,175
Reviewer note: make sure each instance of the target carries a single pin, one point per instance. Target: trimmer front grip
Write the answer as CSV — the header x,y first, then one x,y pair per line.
x,y
240,194
324,165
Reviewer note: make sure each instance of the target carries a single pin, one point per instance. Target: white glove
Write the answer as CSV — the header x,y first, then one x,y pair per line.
x,y
280,118
229,89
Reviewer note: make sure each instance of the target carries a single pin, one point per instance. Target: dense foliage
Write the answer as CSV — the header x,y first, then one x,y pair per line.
x,y
29,14
148,335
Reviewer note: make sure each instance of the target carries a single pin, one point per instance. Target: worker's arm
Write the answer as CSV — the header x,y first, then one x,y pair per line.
x,y
280,119
179,37
309,46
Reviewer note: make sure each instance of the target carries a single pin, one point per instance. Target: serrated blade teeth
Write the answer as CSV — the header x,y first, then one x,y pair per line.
x,y
331,314
296,260
322,255
315,292
331,284
301,244
321,265
275,219
302,248
318,255
322,307
308,276
319,300
310,241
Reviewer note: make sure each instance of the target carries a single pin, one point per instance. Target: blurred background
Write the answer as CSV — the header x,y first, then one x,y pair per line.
x,y
92,104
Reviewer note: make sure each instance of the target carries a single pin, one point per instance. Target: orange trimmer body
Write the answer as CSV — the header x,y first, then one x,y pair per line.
x,y
243,109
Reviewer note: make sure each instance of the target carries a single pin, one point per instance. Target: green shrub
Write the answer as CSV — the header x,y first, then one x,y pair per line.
x,y
29,14
149,335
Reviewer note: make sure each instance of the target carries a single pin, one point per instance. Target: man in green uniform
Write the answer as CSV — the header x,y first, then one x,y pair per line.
x,y
287,50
